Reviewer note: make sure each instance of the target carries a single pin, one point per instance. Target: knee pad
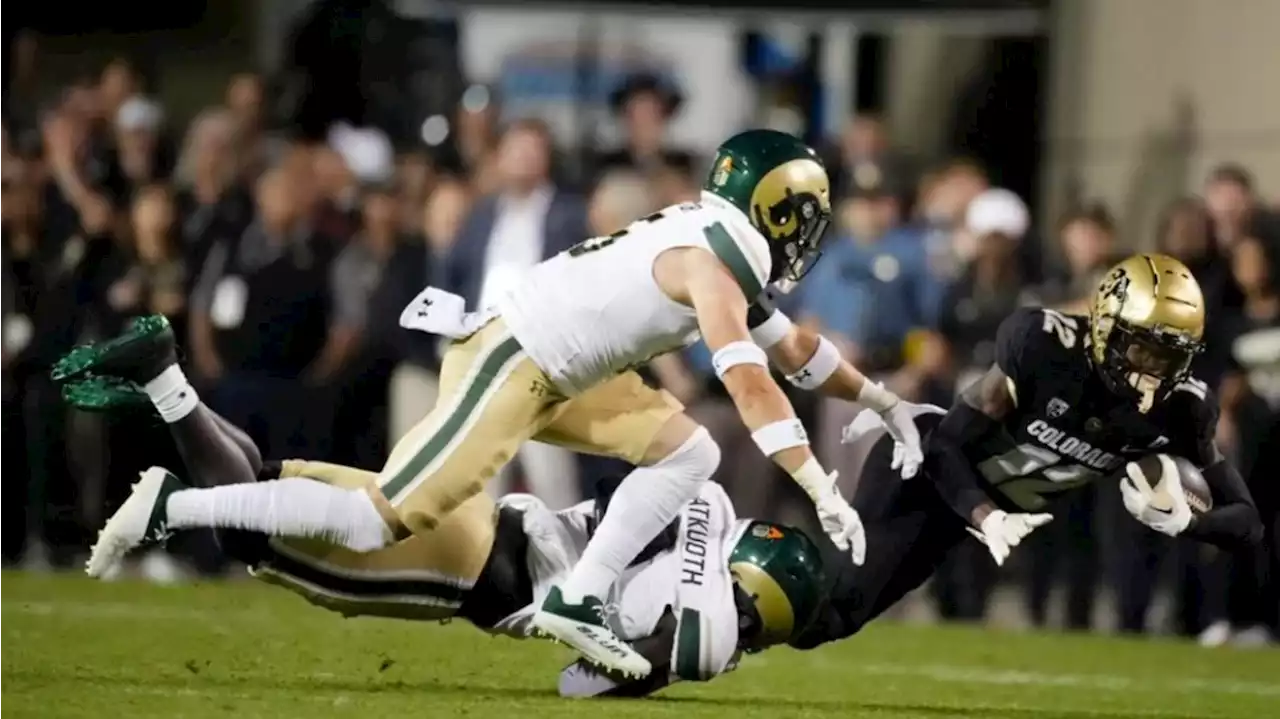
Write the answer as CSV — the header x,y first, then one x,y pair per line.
x,y
699,456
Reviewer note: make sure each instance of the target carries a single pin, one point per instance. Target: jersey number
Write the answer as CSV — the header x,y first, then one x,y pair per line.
x,y
1026,473
1064,327
599,243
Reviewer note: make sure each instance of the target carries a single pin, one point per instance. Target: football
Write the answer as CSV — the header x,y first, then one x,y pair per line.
x,y
1193,483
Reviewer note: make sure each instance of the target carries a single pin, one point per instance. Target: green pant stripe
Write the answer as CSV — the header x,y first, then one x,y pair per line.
x,y
491,366
689,645
731,255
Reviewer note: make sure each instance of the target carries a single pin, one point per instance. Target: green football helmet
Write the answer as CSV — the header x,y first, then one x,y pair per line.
x,y
779,578
781,185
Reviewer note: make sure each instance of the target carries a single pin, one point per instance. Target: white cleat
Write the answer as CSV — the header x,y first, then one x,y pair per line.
x,y
140,520
579,626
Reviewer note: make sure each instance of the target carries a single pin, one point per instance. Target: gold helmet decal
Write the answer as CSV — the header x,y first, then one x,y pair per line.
x,y
790,205
1146,325
777,616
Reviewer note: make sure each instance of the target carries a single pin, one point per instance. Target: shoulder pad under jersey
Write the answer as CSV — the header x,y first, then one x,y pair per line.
x,y
1032,336
742,250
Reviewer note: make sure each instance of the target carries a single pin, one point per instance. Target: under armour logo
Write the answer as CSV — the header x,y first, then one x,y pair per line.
x,y
803,375
426,305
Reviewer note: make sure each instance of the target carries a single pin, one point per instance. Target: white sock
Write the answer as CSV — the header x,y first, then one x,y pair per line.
x,y
290,507
172,395
644,504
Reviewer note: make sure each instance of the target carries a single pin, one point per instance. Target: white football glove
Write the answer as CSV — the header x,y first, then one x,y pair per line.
x,y
908,455
904,457
1001,531
841,523
1138,498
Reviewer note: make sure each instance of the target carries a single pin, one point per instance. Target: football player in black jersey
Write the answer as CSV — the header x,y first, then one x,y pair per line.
x,y
1070,400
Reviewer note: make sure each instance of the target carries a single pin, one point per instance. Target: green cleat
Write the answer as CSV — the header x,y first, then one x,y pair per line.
x,y
139,355
582,626
105,394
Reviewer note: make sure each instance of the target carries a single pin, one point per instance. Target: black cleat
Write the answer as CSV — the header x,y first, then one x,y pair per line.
x,y
138,355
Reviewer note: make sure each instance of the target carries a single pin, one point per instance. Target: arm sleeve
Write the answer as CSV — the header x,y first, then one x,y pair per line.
x,y
947,465
1233,522
966,424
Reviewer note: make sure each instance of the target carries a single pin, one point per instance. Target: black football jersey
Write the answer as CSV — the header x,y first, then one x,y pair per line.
x,y
1068,429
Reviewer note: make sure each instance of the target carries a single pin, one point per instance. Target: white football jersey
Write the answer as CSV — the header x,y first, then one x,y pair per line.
x,y
642,593
595,310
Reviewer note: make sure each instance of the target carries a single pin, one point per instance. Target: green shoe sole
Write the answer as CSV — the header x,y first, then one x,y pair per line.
x,y
80,361
105,394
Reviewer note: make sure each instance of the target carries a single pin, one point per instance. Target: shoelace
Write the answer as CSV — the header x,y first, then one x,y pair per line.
x,y
608,610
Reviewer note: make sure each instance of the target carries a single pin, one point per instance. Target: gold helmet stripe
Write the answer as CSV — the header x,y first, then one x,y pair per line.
x,y
1155,284
771,602
1155,275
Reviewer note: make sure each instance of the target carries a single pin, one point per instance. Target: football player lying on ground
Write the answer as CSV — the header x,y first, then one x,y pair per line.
x,y
551,360
1070,400
708,588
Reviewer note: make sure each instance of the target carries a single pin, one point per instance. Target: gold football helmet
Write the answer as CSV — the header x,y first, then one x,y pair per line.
x,y
1146,325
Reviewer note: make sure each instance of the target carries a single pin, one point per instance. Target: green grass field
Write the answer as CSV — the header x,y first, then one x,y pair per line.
x,y
75,648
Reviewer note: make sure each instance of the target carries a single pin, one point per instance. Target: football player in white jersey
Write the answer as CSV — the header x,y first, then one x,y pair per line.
x,y
710,586
552,360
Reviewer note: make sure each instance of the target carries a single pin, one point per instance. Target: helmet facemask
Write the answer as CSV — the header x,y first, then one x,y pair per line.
x,y
1145,363
752,636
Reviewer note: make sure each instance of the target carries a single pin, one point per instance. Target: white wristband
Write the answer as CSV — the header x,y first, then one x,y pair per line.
x,y
772,331
819,368
736,353
875,397
813,479
777,436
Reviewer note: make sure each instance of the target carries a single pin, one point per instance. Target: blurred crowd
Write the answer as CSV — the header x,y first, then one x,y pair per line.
x,y
284,265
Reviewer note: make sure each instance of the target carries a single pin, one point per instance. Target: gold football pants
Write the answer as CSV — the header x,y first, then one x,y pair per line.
x,y
493,398
418,578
